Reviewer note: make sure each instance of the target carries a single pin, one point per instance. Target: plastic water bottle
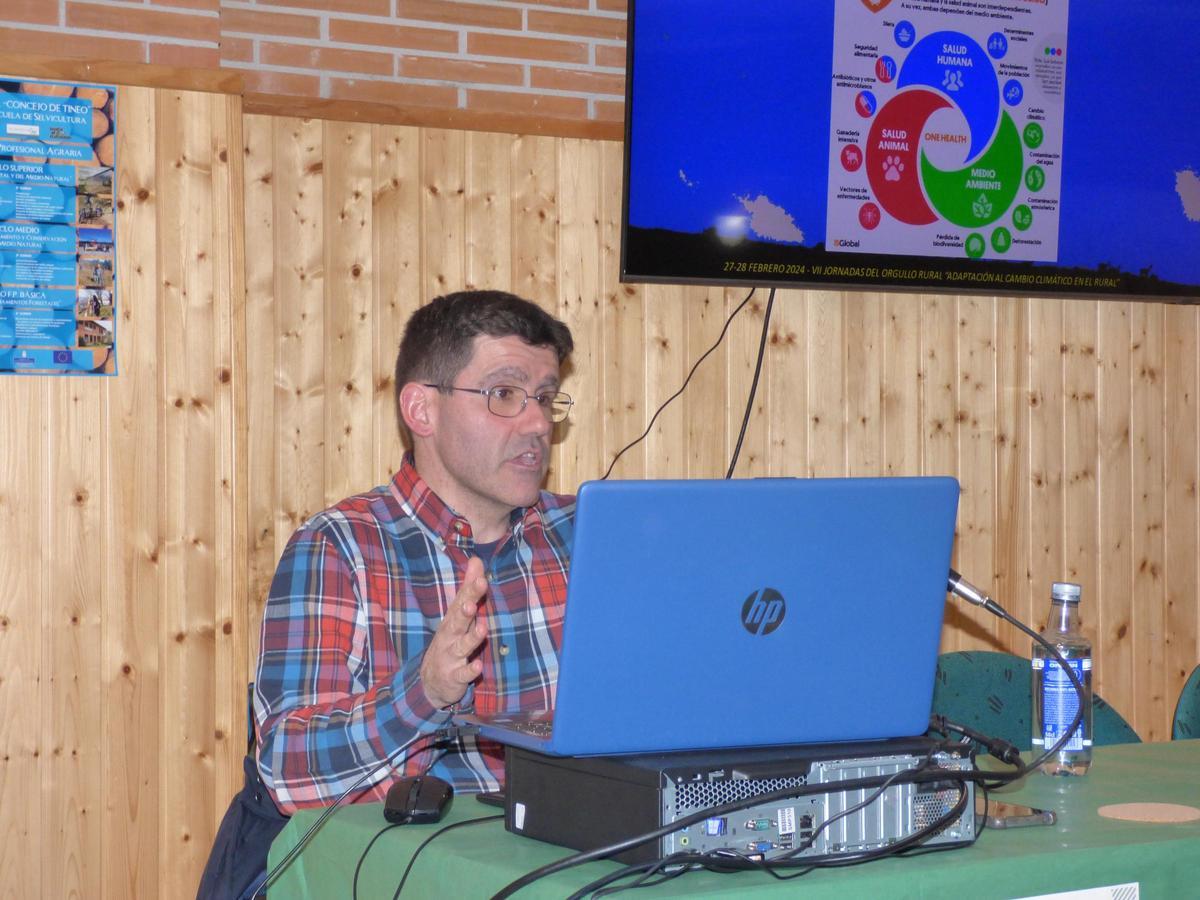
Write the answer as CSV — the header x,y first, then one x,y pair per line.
x,y
1054,698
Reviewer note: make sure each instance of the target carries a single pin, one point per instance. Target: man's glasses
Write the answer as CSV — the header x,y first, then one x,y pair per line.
x,y
509,402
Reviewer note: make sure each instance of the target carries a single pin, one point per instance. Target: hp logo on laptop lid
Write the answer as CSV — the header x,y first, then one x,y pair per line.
x,y
763,611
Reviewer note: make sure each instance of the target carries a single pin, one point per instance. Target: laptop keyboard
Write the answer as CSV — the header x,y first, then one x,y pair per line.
x,y
539,729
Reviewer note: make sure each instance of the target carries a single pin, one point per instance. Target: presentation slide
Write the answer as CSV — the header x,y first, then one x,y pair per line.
x,y
1003,146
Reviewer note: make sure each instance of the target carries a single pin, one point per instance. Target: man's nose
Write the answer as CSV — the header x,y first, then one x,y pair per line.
x,y
534,419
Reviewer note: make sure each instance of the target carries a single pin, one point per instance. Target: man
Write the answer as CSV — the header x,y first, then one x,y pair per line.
x,y
442,589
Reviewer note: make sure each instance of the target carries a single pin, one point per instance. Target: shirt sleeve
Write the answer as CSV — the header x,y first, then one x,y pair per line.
x,y
322,724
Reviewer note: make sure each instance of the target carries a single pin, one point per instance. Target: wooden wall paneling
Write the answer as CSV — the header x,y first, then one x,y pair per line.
x,y
299,289
489,236
443,216
231,553
166,493
1045,454
1148,446
743,338
1081,502
1181,514
706,443
826,385
939,416
25,530
1010,578
349,305
259,379
625,382
975,426
786,385
624,376
536,182
131,613
901,385
1115,679
397,283
1047,437
939,384
535,220
187,337
668,361
865,341
580,189
72,621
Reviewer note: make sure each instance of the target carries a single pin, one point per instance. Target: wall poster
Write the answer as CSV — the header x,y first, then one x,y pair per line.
x,y
58,292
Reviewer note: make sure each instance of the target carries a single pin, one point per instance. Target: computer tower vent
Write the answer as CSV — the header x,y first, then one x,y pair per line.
x,y
692,796
930,804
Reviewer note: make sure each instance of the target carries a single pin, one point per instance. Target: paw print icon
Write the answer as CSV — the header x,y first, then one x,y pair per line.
x,y
893,167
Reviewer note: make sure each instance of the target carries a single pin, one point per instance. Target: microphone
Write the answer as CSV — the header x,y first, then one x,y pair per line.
x,y
960,587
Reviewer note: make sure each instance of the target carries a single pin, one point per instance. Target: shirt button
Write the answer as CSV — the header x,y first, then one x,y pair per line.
x,y
504,649
458,526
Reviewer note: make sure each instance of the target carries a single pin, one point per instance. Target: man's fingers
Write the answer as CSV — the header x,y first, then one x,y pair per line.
x,y
448,668
467,672
469,642
474,586
461,613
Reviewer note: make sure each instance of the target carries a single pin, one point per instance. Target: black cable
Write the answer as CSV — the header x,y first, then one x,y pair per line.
x,y
999,748
425,843
291,855
1068,733
920,774
363,857
907,776
726,861
605,884
958,586
923,765
762,348
682,387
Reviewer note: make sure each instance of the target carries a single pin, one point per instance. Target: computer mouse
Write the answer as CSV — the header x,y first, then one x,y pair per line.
x,y
416,799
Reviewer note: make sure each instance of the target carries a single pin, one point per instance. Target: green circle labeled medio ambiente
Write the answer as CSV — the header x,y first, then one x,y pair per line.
x,y
1033,135
1022,217
975,245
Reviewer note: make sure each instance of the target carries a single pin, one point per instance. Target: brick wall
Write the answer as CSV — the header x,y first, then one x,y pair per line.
x,y
554,58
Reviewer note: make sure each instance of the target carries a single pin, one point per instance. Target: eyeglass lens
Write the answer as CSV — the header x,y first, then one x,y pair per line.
x,y
509,401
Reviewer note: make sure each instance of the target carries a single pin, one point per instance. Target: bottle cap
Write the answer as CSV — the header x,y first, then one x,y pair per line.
x,y
1065,590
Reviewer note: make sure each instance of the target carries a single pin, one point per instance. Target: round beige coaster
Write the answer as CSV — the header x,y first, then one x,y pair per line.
x,y
1150,812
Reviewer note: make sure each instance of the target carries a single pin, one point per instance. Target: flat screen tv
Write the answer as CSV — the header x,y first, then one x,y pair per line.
x,y
998,146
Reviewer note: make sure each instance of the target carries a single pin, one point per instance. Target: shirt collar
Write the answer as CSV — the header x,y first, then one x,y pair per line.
x,y
435,515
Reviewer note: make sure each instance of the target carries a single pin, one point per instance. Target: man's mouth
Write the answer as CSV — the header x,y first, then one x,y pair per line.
x,y
531,459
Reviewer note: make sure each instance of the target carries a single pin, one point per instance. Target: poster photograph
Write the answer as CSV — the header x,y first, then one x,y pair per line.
x,y
58,291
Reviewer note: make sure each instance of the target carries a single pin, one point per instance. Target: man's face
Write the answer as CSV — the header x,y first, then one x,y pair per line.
x,y
482,464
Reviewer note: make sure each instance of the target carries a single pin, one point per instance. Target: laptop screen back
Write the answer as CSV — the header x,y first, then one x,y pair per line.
x,y
706,614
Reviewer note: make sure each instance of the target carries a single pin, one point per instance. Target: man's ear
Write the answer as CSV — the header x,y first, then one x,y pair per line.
x,y
417,408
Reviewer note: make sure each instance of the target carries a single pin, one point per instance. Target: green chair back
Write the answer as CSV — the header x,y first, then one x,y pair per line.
x,y
1186,724
992,693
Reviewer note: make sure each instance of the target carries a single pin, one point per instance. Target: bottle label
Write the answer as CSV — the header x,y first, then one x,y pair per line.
x,y
1060,702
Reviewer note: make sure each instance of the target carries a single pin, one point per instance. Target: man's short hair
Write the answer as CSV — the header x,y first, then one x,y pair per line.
x,y
439,338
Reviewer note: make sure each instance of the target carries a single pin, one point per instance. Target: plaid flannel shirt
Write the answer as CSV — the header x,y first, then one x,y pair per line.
x,y
358,593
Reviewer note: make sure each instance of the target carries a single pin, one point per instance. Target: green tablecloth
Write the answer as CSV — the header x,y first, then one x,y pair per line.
x,y
1083,850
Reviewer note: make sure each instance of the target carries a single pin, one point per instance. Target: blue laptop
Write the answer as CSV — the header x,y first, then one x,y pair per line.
x,y
745,613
